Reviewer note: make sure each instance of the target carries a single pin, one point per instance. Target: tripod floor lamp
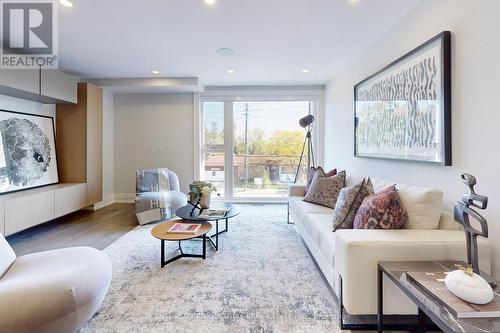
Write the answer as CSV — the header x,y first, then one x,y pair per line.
x,y
307,124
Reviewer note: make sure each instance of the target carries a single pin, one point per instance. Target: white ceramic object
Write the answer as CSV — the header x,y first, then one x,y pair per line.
x,y
471,288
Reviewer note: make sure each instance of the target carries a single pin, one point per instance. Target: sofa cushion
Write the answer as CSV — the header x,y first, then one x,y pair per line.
x,y
325,191
319,227
300,208
350,198
424,206
447,222
7,255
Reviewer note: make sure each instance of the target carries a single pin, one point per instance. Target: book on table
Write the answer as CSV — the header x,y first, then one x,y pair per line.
x,y
433,283
184,228
213,213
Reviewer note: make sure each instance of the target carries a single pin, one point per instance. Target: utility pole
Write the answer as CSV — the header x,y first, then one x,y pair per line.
x,y
245,165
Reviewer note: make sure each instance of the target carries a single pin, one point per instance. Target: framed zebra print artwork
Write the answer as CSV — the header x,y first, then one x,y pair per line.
x,y
403,111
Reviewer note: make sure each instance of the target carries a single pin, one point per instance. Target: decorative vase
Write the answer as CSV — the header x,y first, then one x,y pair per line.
x,y
205,200
193,196
469,286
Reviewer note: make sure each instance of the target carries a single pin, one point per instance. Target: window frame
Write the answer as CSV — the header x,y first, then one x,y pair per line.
x,y
267,94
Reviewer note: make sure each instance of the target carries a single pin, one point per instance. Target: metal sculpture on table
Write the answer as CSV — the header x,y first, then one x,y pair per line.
x,y
196,205
463,211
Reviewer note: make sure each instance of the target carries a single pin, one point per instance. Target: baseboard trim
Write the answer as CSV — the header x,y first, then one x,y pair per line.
x,y
107,199
124,197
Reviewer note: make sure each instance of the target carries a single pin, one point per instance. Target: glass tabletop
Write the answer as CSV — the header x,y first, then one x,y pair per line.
x,y
189,212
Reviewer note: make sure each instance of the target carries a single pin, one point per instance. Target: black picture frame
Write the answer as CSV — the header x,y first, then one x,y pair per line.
x,y
55,159
443,39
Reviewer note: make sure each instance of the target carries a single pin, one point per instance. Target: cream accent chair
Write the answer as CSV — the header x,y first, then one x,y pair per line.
x,y
429,234
51,292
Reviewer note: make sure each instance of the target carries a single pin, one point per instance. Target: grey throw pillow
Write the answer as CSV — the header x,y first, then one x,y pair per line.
x,y
348,203
321,173
325,190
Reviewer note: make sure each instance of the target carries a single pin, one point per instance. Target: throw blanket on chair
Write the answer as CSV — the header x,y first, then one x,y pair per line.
x,y
153,197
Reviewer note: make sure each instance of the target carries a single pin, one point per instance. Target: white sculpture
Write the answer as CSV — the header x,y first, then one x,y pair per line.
x,y
469,286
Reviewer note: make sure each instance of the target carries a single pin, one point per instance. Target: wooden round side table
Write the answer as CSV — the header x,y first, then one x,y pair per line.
x,y
161,232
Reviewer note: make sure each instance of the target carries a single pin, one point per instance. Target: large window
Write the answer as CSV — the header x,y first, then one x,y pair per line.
x,y
251,148
267,144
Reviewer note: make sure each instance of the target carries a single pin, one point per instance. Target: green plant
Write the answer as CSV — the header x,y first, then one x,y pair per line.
x,y
467,269
196,188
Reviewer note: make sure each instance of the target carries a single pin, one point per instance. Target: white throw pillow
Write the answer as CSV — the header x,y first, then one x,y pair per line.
x,y
424,206
7,255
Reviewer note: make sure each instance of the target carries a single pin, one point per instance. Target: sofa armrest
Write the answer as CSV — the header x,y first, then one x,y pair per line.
x,y
357,253
296,190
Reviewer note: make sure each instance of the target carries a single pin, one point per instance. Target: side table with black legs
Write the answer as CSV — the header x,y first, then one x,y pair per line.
x,y
161,232
192,214
428,308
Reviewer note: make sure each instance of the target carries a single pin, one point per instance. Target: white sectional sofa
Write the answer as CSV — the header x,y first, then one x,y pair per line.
x,y
430,234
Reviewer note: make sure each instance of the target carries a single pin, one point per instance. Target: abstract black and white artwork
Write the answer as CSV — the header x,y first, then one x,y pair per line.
x,y
27,151
403,111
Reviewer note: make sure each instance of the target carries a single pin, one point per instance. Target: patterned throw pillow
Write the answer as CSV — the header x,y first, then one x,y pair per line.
x,y
322,172
372,210
325,190
395,216
350,198
382,210
312,172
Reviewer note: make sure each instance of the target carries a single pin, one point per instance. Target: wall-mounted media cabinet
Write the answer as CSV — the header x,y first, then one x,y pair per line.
x,y
25,209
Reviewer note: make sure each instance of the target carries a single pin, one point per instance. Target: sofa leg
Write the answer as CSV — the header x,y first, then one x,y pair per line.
x,y
288,213
404,323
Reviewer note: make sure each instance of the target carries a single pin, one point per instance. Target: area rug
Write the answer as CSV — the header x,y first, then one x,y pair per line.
x,y
262,279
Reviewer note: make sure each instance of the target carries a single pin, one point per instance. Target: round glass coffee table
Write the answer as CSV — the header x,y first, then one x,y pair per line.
x,y
161,232
192,214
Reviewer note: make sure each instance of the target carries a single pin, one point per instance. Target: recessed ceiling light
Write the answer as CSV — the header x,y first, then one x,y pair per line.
x,y
305,71
155,72
231,71
353,1
225,51
66,3
209,2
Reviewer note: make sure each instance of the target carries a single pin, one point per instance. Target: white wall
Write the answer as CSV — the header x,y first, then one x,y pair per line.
x,y
107,149
475,113
150,131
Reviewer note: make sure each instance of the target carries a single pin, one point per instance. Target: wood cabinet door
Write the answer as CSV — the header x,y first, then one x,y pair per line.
x,y
69,199
27,211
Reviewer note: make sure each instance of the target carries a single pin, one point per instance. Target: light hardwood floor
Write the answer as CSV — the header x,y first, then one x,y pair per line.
x,y
97,229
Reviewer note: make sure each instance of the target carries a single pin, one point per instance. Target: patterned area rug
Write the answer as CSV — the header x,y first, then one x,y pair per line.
x,y
261,280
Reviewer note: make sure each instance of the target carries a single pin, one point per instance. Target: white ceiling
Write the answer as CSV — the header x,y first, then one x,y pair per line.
x,y
273,40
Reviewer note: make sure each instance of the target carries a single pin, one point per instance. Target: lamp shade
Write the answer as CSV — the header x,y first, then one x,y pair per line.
x,y
306,121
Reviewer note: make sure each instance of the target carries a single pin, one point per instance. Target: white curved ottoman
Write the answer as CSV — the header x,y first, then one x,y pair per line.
x,y
53,291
